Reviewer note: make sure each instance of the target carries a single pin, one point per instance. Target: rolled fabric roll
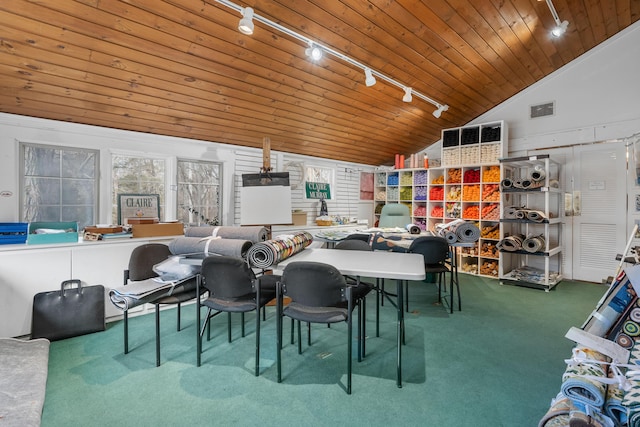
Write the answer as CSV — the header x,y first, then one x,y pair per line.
x,y
554,183
413,229
511,243
558,413
535,215
613,406
517,183
506,184
510,212
526,184
254,234
521,214
538,174
270,252
467,232
209,245
533,243
583,390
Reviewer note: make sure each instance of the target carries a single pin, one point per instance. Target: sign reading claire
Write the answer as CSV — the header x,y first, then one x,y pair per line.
x,y
318,190
138,206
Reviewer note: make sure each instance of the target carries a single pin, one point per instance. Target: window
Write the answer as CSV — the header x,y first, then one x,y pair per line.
x,y
199,186
58,184
137,175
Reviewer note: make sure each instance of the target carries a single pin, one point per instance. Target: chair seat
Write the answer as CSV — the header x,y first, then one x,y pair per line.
x,y
177,298
240,304
305,313
436,269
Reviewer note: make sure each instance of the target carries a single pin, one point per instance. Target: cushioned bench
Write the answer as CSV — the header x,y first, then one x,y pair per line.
x,y
24,366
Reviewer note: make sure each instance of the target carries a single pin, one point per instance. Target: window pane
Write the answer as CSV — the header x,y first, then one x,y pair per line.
x,y
82,214
137,175
77,192
41,161
78,164
46,196
199,192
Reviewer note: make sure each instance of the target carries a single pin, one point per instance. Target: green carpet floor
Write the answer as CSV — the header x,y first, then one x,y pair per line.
x,y
498,362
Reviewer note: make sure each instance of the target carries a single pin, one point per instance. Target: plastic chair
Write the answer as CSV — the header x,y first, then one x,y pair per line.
x,y
356,244
141,263
233,288
436,253
394,215
319,294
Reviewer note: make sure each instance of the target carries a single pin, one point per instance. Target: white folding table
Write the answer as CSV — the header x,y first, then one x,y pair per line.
x,y
376,264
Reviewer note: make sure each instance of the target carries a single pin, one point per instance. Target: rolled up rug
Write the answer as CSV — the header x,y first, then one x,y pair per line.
x,y
209,245
511,243
467,232
510,212
609,309
535,215
413,229
254,234
579,381
613,407
506,184
538,174
270,252
558,413
582,415
141,292
533,244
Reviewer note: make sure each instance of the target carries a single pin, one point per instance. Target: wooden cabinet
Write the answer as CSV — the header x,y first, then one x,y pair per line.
x,y
532,220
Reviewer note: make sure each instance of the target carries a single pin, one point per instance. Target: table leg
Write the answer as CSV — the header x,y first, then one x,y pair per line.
x,y
400,308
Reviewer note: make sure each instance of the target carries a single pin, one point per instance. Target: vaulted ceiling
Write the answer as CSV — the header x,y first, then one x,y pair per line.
x,y
181,68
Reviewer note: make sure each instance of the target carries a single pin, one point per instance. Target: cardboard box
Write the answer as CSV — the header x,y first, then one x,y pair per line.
x,y
160,229
299,218
69,236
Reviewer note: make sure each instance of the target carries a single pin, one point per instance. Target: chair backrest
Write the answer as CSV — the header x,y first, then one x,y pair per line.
x,y
394,215
313,284
353,245
434,249
359,236
227,276
144,257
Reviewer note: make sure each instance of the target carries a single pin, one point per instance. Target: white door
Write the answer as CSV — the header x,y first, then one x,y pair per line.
x,y
600,216
594,175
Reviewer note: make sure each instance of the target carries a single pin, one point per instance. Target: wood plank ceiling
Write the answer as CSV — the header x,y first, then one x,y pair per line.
x,y
181,68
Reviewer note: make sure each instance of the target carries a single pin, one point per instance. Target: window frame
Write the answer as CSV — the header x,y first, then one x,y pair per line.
x,y
22,171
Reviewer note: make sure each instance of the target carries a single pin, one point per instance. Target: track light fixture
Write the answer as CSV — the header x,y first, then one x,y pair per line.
x,y
315,51
440,110
561,26
369,80
407,95
245,26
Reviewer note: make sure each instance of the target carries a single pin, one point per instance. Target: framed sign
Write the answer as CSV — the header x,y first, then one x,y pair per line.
x,y
138,206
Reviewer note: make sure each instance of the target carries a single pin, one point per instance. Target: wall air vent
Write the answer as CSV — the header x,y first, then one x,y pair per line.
x,y
542,110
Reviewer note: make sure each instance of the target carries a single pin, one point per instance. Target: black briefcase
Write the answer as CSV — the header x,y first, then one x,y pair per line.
x,y
68,312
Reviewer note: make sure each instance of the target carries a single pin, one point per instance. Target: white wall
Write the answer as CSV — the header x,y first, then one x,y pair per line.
x,y
597,98
15,128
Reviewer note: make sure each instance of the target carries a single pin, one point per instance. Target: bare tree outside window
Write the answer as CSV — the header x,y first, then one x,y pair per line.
x,y
199,192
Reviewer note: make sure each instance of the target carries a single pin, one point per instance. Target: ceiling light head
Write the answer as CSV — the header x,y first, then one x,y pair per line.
x,y
440,110
245,26
369,80
407,95
313,52
560,29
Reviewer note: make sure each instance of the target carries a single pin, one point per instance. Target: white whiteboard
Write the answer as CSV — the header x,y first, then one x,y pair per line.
x,y
265,205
